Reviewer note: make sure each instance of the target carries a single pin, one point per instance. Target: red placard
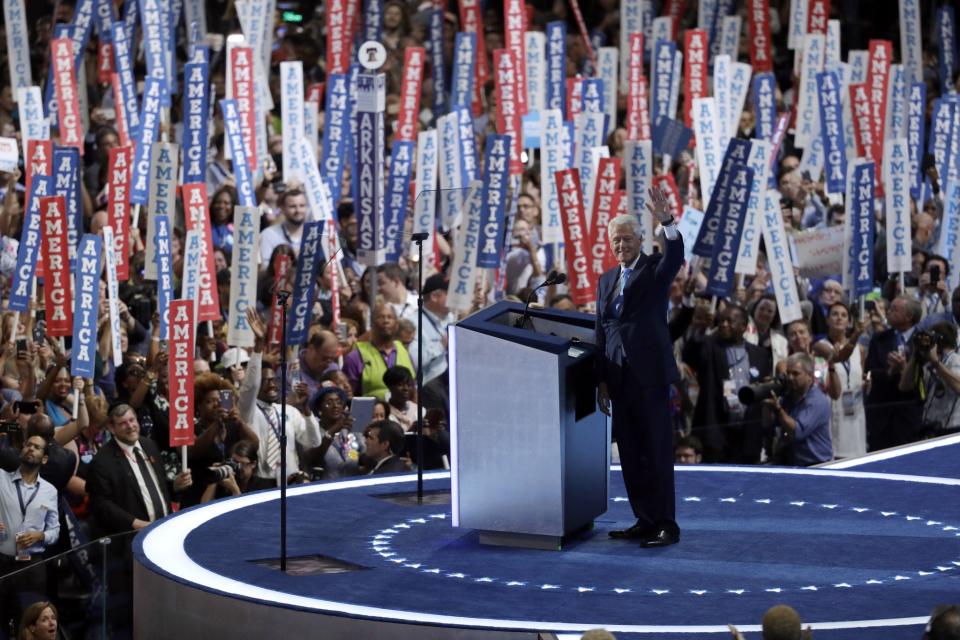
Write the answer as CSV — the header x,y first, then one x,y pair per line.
x,y
409,114
675,9
315,92
37,162
57,285
862,120
668,185
620,205
818,12
634,81
758,17
508,107
104,62
878,77
574,97
338,36
242,88
118,107
196,218
119,172
696,51
582,282
68,100
280,271
514,30
604,209
471,22
643,104
180,370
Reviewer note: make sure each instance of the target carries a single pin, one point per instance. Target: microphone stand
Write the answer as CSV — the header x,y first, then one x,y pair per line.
x,y
552,279
419,238
282,296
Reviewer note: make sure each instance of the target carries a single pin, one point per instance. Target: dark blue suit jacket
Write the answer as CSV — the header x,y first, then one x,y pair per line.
x,y
640,335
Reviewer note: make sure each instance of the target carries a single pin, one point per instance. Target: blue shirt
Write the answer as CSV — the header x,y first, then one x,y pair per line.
x,y
810,441
40,501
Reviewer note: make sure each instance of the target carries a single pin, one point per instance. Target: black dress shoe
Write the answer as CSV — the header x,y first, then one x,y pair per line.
x,y
635,532
660,538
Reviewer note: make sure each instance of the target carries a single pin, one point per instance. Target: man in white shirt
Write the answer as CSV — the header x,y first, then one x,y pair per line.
x,y
390,284
293,204
436,319
259,398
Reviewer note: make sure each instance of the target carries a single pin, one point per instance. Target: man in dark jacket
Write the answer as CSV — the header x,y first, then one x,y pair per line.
x,y
725,362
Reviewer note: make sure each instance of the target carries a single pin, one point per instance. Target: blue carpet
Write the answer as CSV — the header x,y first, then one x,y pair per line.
x,y
835,548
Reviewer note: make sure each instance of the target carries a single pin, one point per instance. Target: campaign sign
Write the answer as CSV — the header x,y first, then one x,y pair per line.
x,y
57,289
66,164
281,267
662,88
551,161
738,152
496,170
197,219
778,260
183,327
291,107
233,133
304,284
370,168
720,279
425,206
463,272
556,66
123,60
113,294
243,274
862,225
915,121
581,281
17,45
119,166
764,105
896,180
639,175
27,253
196,112
831,131
398,192
33,126
86,307
153,91
335,135
464,60
164,264
670,137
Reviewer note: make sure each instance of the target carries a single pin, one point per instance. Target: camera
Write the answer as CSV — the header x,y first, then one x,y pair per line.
x,y
10,428
225,470
761,391
922,341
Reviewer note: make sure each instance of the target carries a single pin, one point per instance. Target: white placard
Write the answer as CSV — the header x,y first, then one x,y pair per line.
x,y
778,261
740,74
425,206
110,262
638,171
808,111
730,36
9,154
291,108
759,161
607,60
798,24
551,161
896,192
721,91
709,154
33,126
535,46
463,273
17,45
243,274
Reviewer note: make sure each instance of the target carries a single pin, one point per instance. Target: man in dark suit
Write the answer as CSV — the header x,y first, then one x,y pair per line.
x,y
724,363
384,440
637,367
893,417
126,481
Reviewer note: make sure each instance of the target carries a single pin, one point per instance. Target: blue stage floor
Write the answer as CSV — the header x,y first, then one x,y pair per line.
x,y
859,553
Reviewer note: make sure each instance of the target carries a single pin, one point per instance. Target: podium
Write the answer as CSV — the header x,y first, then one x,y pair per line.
x,y
530,450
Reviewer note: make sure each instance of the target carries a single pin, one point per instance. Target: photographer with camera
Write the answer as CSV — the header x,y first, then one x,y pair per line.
x,y
232,477
803,413
934,371
934,293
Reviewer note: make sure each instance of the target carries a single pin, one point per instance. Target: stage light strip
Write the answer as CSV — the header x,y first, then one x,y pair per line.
x,y
163,547
454,427
897,452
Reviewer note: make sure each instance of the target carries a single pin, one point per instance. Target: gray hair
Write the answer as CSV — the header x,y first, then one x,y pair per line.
x,y
804,360
120,410
625,220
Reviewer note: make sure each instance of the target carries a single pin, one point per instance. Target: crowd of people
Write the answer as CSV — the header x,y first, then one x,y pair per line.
x,y
93,456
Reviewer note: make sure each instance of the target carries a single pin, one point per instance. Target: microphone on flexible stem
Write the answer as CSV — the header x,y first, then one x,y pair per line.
x,y
553,278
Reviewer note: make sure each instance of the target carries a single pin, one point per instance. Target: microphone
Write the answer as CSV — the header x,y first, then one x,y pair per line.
x,y
419,237
554,277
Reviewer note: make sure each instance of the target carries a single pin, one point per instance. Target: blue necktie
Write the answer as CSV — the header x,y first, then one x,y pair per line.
x,y
618,301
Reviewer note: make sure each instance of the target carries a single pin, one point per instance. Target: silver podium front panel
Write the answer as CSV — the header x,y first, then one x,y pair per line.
x,y
521,463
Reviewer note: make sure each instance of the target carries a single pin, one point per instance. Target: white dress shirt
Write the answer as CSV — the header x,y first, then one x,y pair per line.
x,y
128,452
